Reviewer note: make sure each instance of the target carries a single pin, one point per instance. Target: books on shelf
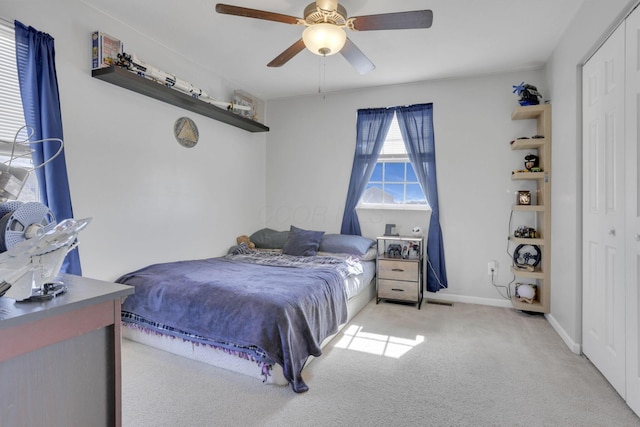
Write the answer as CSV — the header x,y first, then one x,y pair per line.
x,y
105,49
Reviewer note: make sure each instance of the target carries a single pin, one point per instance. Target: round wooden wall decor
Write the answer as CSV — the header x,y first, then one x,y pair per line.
x,y
186,132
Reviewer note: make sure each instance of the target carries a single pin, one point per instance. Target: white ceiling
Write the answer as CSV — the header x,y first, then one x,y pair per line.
x,y
468,37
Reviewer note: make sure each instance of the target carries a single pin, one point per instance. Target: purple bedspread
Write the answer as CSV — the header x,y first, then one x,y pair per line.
x,y
285,311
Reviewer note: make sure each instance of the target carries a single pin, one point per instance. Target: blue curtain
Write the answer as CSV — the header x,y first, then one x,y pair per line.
x,y
35,56
416,126
372,128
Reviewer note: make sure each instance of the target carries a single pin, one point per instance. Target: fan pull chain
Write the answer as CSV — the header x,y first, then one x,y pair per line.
x,y
322,77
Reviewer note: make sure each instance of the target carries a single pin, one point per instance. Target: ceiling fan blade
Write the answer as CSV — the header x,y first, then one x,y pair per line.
x,y
356,58
394,21
254,13
289,53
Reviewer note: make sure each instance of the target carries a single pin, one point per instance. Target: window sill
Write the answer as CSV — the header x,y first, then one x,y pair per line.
x,y
394,208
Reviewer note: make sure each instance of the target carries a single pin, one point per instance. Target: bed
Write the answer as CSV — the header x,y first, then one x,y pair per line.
x,y
263,312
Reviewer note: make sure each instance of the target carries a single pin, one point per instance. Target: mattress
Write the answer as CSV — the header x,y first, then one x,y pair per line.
x,y
360,289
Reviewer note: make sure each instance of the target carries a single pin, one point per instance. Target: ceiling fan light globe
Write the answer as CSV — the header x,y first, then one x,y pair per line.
x,y
324,39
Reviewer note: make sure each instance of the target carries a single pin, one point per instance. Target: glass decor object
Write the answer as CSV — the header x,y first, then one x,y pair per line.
x,y
524,197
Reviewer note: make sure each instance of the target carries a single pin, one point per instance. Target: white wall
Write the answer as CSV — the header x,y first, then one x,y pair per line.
x,y
151,200
374,221
593,22
310,152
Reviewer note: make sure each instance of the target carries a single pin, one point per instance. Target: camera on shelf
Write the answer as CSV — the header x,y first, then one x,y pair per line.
x,y
525,232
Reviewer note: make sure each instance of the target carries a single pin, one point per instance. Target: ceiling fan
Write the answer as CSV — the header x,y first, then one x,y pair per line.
x,y
325,21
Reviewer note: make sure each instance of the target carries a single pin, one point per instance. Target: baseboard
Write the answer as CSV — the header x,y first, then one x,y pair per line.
x,y
442,297
573,346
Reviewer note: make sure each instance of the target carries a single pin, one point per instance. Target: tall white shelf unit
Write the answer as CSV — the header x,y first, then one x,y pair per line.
x,y
541,210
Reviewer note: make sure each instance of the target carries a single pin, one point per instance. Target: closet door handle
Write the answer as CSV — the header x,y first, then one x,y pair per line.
x,y
612,232
637,237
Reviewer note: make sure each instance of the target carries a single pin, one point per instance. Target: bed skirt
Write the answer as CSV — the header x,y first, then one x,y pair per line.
x,y
240,363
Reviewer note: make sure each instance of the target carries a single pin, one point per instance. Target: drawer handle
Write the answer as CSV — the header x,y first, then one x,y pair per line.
x,y
397,290
397,269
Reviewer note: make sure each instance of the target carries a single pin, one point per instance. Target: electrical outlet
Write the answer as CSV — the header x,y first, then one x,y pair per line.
x,y
492,268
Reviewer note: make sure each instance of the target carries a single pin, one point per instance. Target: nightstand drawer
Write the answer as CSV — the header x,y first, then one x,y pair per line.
x,y
404,291
398,270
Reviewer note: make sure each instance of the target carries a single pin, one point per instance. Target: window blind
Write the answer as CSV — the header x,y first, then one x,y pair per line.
x,y
12,115
393,144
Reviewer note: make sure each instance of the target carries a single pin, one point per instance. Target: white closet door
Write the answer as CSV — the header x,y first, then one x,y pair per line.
x,y
632,200
603,327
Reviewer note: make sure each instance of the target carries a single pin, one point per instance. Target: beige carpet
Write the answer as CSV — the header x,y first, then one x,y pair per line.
x,y
393,365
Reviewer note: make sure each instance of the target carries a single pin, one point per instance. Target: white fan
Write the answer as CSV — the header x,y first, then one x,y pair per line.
x,y
32,262
32,244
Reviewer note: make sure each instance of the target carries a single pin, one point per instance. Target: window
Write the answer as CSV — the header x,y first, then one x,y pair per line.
x,y
394,182
12,117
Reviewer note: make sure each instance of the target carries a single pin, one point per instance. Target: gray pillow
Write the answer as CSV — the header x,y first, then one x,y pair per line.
x,y
269,239
345,244
302,242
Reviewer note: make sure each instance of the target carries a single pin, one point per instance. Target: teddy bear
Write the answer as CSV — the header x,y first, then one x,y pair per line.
x,y
245,239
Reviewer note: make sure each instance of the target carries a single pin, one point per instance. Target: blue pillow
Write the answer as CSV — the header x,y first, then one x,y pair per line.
x,y
345,244
302,242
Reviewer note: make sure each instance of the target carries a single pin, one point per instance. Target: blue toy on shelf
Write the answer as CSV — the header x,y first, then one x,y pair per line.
x,y
528,94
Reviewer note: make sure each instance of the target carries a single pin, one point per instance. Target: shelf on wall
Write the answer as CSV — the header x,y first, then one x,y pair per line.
x,y
527,175
535,274
528,208
528,240
536,306
541,274
128,80
529,111
530,143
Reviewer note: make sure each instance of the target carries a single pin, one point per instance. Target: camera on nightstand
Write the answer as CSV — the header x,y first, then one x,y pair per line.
x,y
394,251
